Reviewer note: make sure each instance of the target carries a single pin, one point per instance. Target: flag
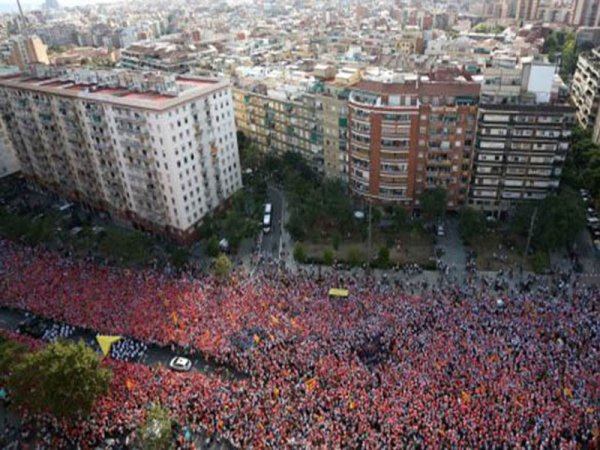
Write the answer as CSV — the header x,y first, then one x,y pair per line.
x,y
466,397
106,342
129,383
311,384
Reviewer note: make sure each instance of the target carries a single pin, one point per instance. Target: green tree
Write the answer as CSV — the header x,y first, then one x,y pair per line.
x,y
11,352
212,247
223,266
560,220
299,253
400,218
156,433
63,379
355,256
383,258
433,203
250,156
180,257
471,223
328,257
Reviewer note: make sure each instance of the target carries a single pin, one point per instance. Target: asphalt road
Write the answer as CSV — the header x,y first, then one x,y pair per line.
x,y
156,355
271,241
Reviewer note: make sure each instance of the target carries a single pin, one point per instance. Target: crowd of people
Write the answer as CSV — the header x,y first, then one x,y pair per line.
x,y
460,363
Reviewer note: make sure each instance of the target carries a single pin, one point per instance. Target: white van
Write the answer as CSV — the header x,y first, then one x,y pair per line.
x,y
266,223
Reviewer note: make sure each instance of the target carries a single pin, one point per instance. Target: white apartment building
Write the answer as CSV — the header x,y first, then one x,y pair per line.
x,y
157,150
8,160
585,92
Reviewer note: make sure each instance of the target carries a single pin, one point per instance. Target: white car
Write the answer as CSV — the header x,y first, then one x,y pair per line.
x,y
180,364
441,231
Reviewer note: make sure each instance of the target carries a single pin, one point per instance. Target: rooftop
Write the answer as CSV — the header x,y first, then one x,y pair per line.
x,y
138,89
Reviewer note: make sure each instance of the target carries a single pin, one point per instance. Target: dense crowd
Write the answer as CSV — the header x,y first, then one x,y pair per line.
x,y
460,364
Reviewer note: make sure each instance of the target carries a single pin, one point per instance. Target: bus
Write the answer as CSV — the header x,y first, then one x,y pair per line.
x,y
266,223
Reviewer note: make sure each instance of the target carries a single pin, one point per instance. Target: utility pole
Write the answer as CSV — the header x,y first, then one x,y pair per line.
x,y
529,235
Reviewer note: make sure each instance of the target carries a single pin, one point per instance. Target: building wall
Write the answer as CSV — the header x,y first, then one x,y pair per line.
x,y
8,159
585,92
417,138
163,169
281,125
519,155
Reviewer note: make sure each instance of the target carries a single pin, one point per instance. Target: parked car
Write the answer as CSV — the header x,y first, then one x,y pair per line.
x,y
180,364
440,230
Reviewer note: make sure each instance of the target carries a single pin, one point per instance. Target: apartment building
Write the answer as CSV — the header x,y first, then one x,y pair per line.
x,y
27,50
8,159
527,10
585,92
161,55
280,122
334,98
158,151
520,153
585,13
409,136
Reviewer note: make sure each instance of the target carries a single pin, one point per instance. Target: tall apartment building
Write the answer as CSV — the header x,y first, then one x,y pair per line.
x,y
28,50
334,98
407,137
520,153
527,10
8,159
279,122
159,151
585,92
585,13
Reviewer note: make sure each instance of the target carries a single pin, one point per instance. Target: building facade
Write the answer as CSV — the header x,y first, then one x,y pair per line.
x,y
585,13
8,159
159,151
281,123
585,92
519,154
27,50
407,137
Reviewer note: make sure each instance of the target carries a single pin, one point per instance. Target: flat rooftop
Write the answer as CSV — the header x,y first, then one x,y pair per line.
x,y
186,89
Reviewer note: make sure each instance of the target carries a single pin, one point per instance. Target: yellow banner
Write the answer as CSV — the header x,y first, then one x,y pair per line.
x,y
106,343
334,292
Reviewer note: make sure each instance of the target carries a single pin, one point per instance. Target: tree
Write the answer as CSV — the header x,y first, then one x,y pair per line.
x,y
180,257
63,379
10,353
471,223
212,247
299,253
328,257
222,266
250,156
383,258
400,218
433,203
560,220
355,256
156,433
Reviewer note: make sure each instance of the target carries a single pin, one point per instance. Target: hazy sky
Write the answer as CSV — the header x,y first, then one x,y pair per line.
x,y
11,5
